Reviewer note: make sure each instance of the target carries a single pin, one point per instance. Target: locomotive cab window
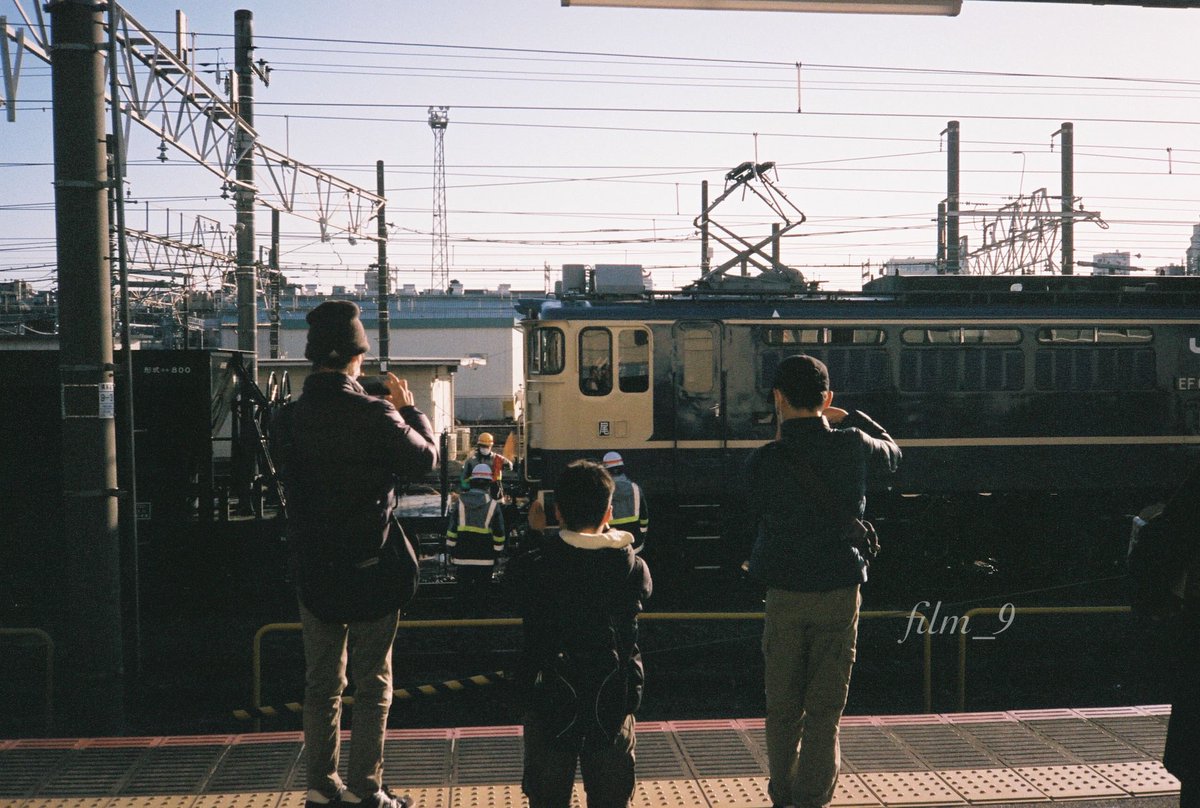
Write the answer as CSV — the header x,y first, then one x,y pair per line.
x,y
595,362
546,354
633,355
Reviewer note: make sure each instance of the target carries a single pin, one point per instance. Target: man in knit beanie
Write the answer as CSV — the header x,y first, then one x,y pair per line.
x,y
335,334
340,454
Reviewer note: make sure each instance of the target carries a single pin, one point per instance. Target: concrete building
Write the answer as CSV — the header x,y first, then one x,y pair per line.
x,y
910,266
431,381
1110,263
476,326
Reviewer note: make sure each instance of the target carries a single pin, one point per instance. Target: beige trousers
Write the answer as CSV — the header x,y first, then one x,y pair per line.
x,y
808,649
367,646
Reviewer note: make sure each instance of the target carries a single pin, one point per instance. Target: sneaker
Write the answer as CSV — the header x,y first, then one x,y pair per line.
x,y
329,802
383,798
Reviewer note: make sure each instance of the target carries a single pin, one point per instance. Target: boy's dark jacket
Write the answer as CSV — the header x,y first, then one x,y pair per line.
x,y
579,595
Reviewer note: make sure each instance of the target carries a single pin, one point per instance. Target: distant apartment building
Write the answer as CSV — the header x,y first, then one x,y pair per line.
x,y
910,266
1193,252
1110,263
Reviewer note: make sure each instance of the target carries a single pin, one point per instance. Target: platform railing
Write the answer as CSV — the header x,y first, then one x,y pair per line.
x,y
48,644
1024,610
497,622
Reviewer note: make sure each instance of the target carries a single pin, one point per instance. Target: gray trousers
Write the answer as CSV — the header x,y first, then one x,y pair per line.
x,y
809,648
367,646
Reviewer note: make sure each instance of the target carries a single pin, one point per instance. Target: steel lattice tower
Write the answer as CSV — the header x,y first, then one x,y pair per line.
x,y
439,275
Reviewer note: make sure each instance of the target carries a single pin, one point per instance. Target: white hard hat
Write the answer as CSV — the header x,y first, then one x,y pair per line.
x,y
481,472
612,460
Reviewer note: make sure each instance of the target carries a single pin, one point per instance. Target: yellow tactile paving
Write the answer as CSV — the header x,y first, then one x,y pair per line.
x,y
429,797
1140,778
852,792
911,788
1069,782
667,794
495,796
65,802
991,785
255,799
735,792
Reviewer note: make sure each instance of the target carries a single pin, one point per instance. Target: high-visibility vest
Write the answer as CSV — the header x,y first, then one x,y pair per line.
x,y
476,536
627,510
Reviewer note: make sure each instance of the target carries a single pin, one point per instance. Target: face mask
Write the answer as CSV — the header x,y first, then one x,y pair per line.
x,y
485,451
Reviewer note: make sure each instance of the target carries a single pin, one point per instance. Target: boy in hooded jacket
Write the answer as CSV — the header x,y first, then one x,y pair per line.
x,y
581,671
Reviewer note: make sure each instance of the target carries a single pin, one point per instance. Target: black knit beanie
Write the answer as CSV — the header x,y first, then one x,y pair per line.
x,y
335,334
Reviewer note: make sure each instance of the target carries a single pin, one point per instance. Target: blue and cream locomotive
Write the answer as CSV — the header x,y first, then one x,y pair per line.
x,y
1034,391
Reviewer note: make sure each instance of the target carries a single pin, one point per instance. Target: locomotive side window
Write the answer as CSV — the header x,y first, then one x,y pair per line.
x,y
698,349
546,353
633,369
793,336
595,362
956,335
1089,334
823,336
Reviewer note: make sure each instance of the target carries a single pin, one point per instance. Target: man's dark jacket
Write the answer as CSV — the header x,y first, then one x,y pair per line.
x,y
579,595
340,454
800,544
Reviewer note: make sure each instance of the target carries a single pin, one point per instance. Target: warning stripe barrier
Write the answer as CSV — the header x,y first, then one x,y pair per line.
x,y
401,694
497,622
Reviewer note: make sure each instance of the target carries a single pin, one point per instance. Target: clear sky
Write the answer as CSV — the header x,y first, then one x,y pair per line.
x,y
581,135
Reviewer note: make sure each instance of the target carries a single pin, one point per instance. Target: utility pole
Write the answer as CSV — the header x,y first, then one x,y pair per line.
x,y
439,119
276,284
127,465
384,291
941,235
243,45
91,640
952,259
1067,132
704,228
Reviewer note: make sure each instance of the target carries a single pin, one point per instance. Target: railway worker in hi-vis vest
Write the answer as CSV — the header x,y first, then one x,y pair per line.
x,y
496,462
629,503
474,539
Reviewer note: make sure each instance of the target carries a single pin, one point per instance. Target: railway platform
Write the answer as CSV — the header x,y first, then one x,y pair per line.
x,y
1091,757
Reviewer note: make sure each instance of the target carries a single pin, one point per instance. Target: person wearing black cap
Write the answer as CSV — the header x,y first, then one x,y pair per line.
x,y
806,487
340,453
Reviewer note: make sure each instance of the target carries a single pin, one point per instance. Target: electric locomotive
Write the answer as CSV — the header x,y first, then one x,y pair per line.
x,y
1030,391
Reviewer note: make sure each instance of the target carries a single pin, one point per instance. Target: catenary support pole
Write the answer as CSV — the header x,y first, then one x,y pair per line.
x,y
952,257
384,290
276,284
243,46
704,228
1068,198
941,235
91,639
